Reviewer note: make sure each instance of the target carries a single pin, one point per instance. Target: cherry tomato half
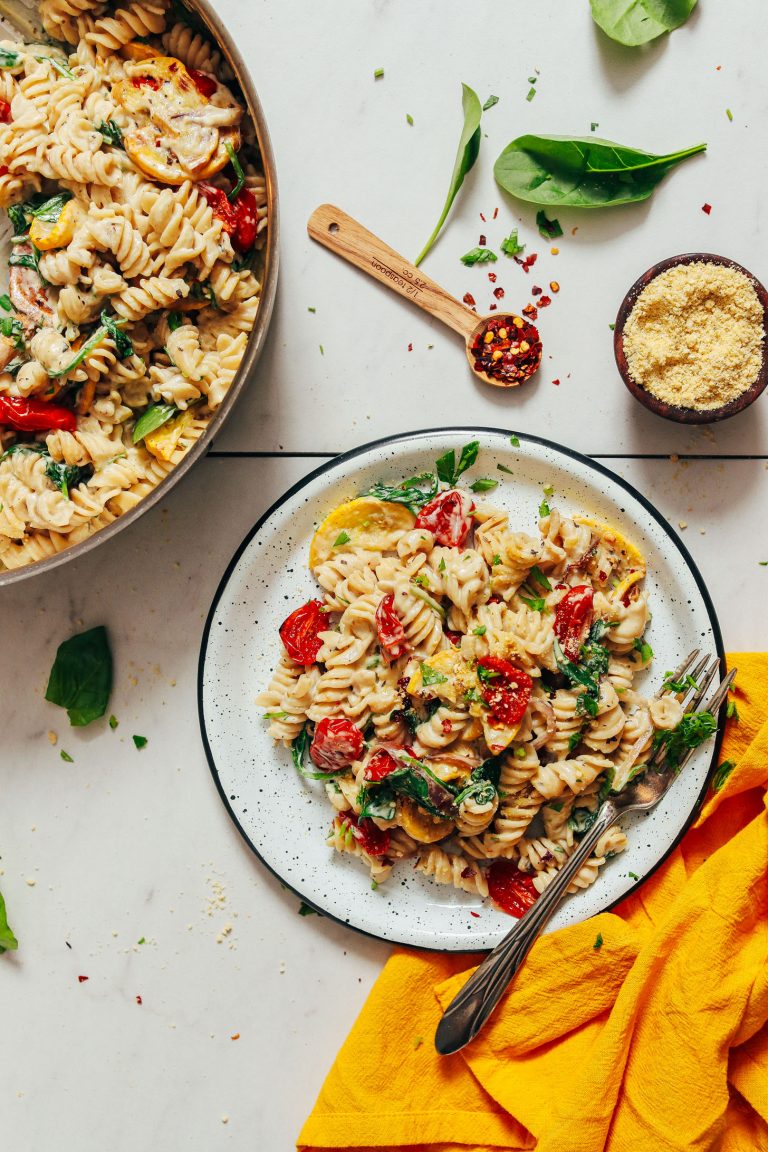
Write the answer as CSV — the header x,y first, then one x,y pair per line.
x,y
573,618
336,744
510,889
448,517
300,632
504,688
392,638
206,85
380,765
373,840
246,221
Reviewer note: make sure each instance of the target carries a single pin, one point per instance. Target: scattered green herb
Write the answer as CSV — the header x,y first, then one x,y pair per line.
x,y
8,59
480,630
143,940
503,468
154,417
5,303
306,910
544,508
479,256
469,146
342,538
535,603
486,675
598,942
531,94
113,722
67,476
490,103
12,329
275,715
581,820
59,65
81,676
441,566
66,756
729,114
514,440
378,73
634,22
496,560
8,942
484,484
645,650
606,784
574,740
722,774
299,752
683,685
594,126
409,119
512,247
586,674
582,172
431,676
731,711
447,468
174,321
425,596
92,342
549,229
693,730
111,133
123,345
140,741
311,309
538,576
238,170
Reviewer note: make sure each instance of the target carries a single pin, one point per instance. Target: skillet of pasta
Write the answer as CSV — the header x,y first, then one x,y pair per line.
x,y
463,688
131,177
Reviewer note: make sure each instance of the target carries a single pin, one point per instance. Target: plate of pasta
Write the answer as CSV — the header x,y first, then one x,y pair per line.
x,y
428,664
140,236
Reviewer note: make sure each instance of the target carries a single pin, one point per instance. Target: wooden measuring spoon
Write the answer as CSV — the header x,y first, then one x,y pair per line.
x,y
503,350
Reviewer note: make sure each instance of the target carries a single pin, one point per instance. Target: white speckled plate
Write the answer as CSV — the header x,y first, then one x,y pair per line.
x,y
285,818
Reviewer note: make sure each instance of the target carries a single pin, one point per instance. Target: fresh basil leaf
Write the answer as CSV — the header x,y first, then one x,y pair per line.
x,y
239,174
634,22
18,219
111,133
549,229
535,603
431,676
59,65
81,676
445,467
469,146
582,172
478,256
50,210
8,59
511,246
490,103
8,942
153,418
174,321
467,458
5,303
537,575
123,344
67,476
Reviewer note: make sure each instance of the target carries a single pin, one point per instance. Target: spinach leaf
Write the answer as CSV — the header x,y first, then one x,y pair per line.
x,y
483,783
512,246
416,781
12,329
722,774
447,468
81,677
377,801
111,133
693,729
92,342
549,229
582,172
478,256
634,22
299,753
8,942
581,820
18,219
66,476
123,345
238,170
469,146
50,210
152,419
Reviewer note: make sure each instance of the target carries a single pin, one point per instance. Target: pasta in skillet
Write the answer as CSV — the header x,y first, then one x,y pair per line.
x,y
464,687
131,176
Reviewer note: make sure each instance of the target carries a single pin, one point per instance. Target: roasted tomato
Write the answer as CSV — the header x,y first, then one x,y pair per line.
x,y
205,84
510,889
300,632
448,517
5,112
392,638
504,688
336,744
380,765
372,839
573,618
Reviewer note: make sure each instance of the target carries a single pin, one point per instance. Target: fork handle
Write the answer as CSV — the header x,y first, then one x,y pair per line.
x,y
470,1009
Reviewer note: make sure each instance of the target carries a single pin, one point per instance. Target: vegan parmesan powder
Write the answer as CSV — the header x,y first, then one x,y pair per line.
x,y
694,337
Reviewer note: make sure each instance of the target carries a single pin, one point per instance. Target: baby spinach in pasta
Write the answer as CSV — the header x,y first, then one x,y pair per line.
x,y
299,753
111,133
153,418
413,493
123,343
81,676
8,59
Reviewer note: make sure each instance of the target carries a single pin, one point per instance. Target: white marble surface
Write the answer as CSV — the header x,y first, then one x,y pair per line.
x,y
124,845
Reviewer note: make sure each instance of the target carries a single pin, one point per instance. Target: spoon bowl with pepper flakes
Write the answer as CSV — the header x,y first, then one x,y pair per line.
x,y
690,338
502,350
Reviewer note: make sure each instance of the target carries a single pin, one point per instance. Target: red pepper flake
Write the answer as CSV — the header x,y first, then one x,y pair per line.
x,y
482,218
139,1000
554,286
556,382
482,241
410,347
475,914
446,726
531,312
531,260
492,277
706,208
495,213
469,299
82,979
719,66
492,307
507,349
574,230
468,872
536,291
499,293
236,1036
545,301
454,637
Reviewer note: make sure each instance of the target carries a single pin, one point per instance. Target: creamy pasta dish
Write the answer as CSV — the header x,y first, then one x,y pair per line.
x,y
464,687
130,174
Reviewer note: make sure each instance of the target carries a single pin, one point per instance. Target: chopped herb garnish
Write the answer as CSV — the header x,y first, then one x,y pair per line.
x,y
431,676
514,441
535,603
594,126
549,229
490,103
484,484
378,73
441,565
113,722
722,774
633,875
531,94
676,686
486,675
154,417
5,303
512,247
598,942
503,468
8,59
422,580
342,538
66,756
238,170
409,118
544,508
8,941
275,715
645,650
59,65
305,910
122,342
140,741
111,133
174,321
311,309
729,114
447,468
479,256
537,575
12,329
574,740
480,630
496,560
731,711
693,730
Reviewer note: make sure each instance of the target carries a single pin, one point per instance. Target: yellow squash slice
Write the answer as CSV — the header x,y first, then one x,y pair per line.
x,y
363,523
612,536
45,234
177,133
498,736
163,442
420,825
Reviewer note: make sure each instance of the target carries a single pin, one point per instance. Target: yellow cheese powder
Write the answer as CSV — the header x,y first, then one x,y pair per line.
x,y
695,335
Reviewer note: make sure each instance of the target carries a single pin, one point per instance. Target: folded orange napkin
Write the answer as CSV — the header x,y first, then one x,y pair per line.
x,y
655,1041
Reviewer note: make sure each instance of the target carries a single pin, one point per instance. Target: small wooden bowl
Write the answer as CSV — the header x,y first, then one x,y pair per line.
x,y
673,411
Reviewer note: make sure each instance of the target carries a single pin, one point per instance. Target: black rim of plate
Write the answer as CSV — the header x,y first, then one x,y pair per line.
x,y
459,431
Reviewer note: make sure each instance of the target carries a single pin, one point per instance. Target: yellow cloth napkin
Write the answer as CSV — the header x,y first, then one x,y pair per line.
x,y
655,1042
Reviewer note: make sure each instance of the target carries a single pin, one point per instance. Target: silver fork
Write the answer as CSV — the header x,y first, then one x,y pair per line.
x,y
468,1012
